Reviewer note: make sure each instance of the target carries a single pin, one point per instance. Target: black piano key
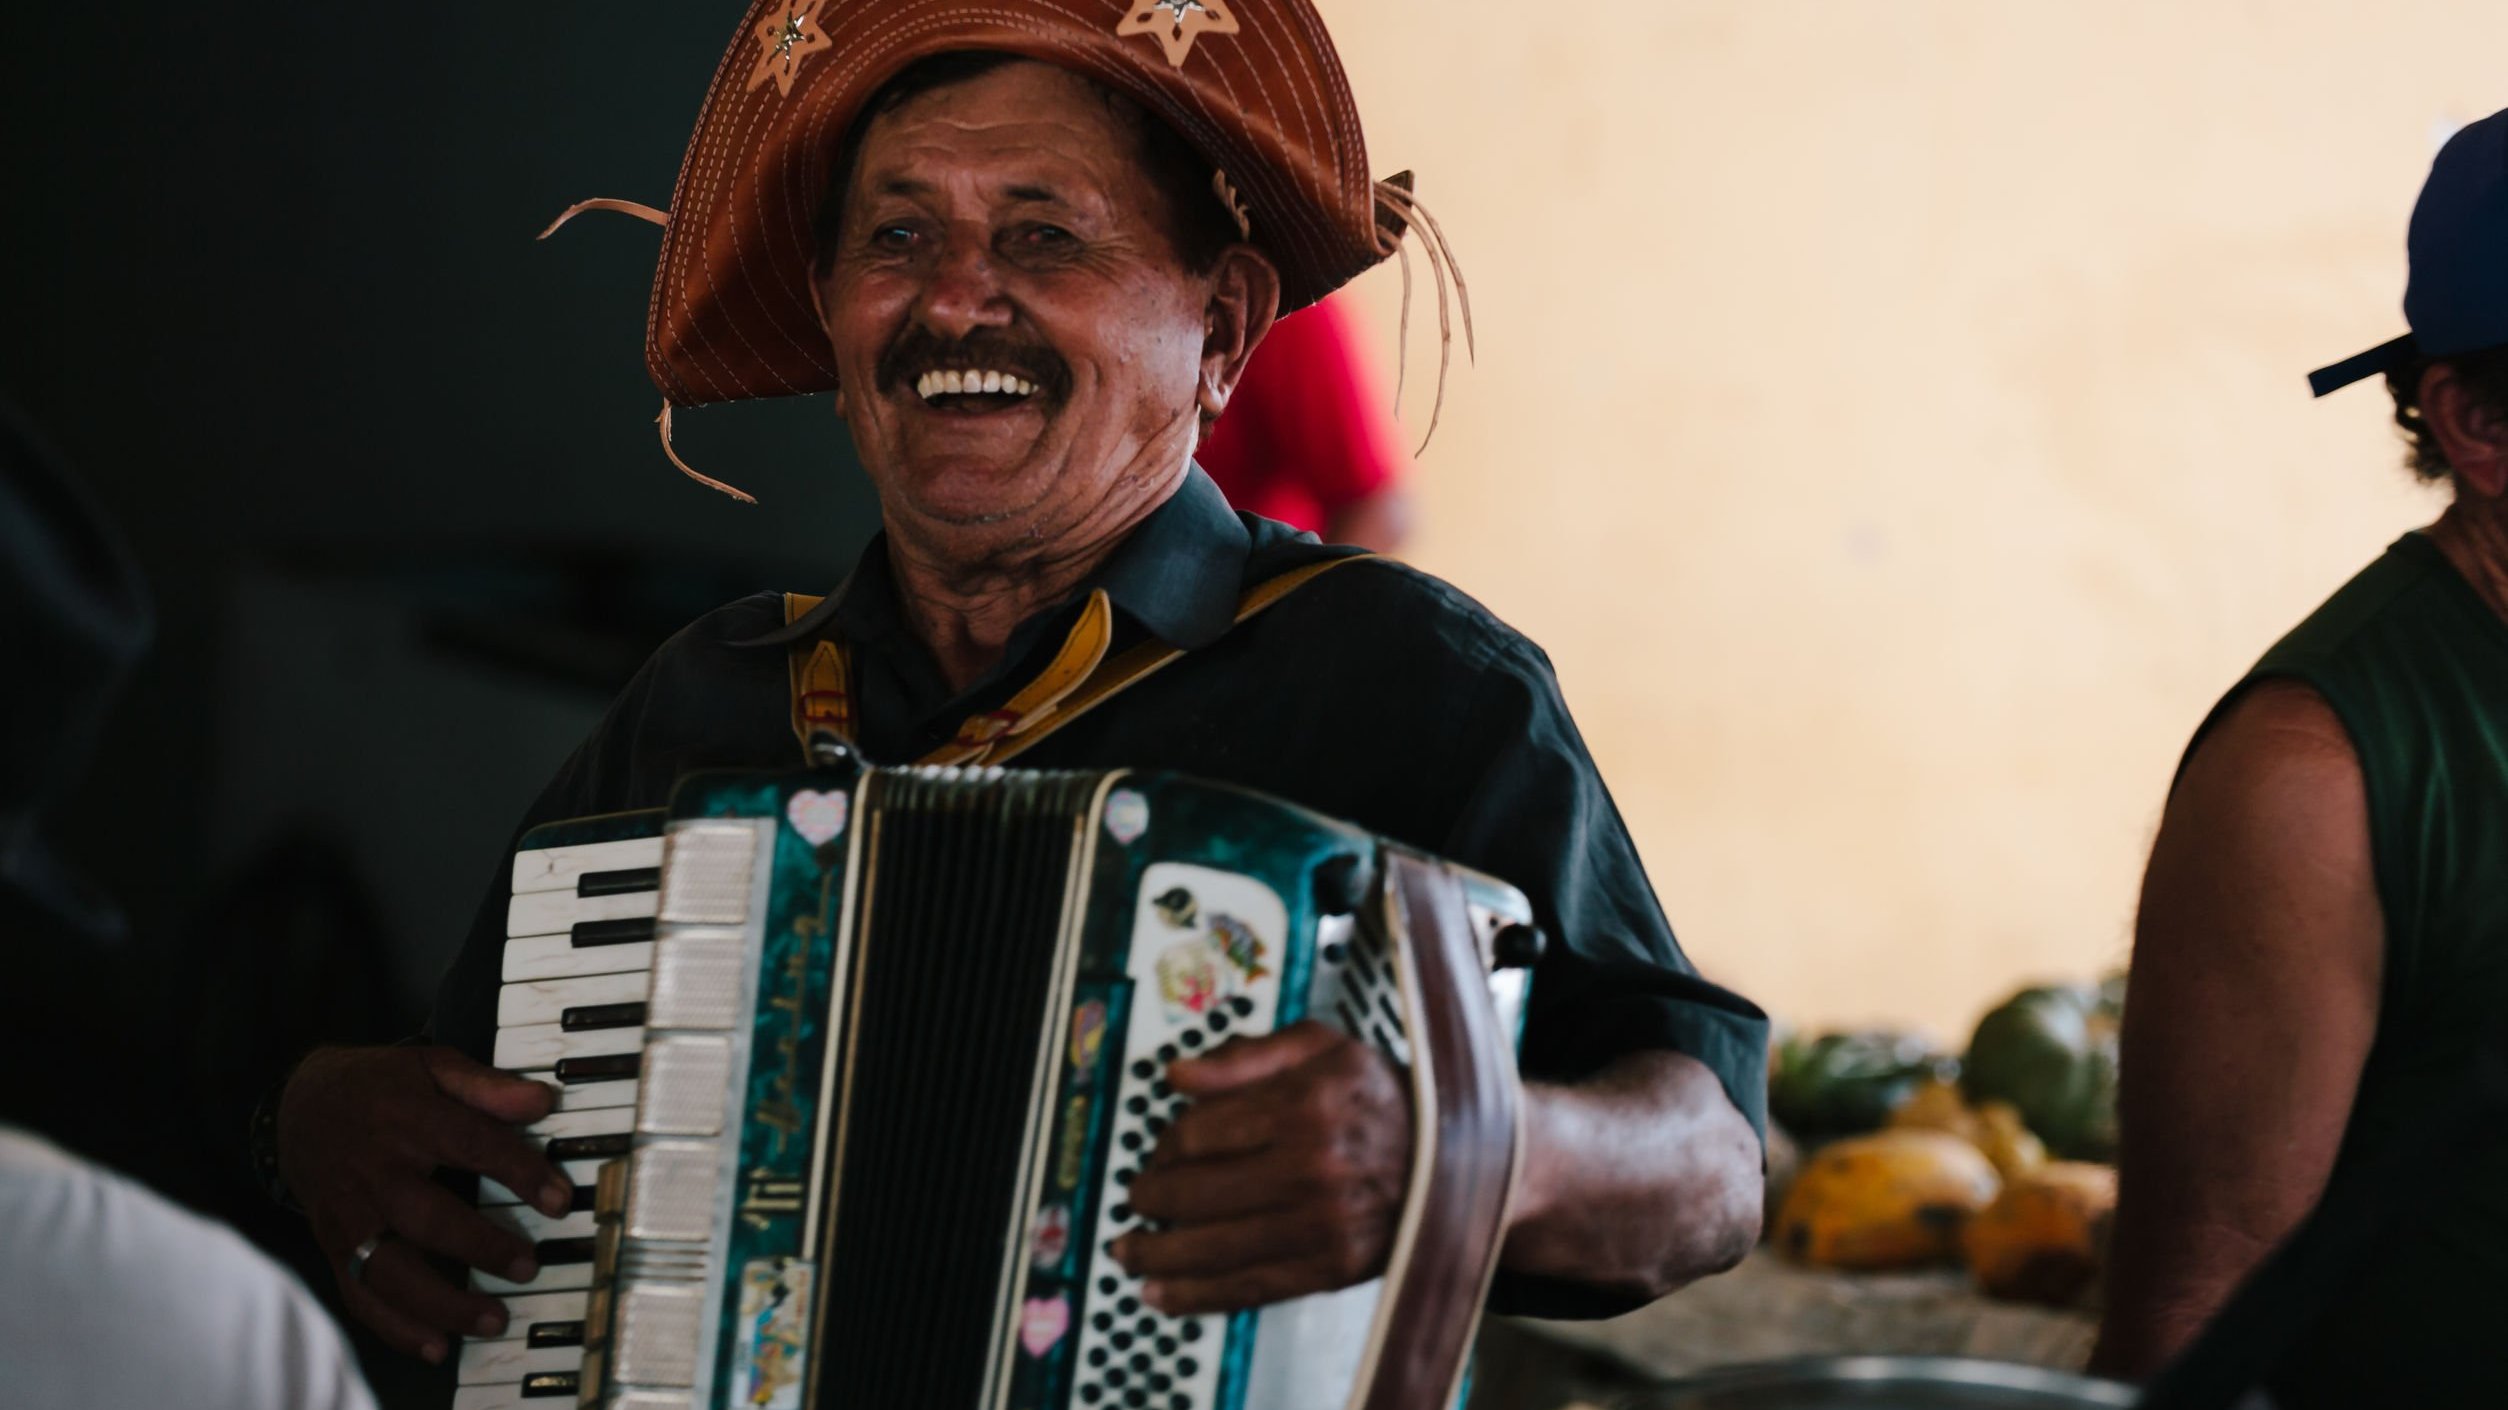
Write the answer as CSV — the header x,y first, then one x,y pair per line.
x,y
591,1147
553,1334
584,1018
609,1067
611,932
549,1383
554,1252
584,1197
619,883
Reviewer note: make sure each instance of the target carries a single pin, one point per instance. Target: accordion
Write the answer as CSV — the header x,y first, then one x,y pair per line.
x,y
855,1065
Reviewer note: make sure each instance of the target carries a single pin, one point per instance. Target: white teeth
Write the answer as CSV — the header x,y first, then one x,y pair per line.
x,y
940,384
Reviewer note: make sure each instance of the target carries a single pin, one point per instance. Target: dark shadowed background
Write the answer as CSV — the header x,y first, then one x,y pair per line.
x,y
390,471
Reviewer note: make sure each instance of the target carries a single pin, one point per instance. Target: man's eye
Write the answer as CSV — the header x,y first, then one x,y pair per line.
x,y
893,237
1048,236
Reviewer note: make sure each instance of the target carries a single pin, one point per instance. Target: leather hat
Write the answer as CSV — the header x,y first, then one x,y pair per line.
x,y
1253,85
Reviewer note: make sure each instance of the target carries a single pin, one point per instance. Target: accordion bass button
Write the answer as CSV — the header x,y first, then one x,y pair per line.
x,y
1517,947
1342,883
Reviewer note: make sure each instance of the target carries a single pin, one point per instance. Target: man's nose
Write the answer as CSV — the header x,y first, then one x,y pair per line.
x,y
964,292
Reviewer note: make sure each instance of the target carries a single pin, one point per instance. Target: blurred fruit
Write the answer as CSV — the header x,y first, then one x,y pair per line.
x,y
1894,1199
2044,1239
1844,1084
2051,1053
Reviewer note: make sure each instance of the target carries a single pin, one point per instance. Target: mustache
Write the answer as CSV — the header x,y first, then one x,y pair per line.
x,y
917,350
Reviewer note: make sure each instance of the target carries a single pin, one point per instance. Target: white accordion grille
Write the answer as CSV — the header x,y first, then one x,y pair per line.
x,y
686,1080
696,980
705,880
654,1337
671,1191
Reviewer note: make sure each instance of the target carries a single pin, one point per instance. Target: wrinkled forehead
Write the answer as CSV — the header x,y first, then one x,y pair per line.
x,y
1013,119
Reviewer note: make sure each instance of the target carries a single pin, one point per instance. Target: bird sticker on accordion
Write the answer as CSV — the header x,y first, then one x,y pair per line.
x,y
858,1063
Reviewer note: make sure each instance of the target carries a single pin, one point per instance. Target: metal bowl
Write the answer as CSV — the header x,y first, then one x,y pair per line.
x,y
1887,1383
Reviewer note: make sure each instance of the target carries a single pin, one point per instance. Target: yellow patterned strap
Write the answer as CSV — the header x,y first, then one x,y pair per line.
x,y
1077,680
822,697
1082,652
1143,660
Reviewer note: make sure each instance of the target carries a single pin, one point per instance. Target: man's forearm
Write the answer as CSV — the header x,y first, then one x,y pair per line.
x,y
1641,1179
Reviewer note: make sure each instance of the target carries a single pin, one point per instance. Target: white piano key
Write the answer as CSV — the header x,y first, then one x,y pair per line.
x,y
559,957
535,1226
579,1173
544,1044
588,1096
558,1277
546,1000
557,912
559,868
524,1310
507,1362
600,1121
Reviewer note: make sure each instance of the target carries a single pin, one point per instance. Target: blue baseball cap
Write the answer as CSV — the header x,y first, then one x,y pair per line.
x,y
2457,299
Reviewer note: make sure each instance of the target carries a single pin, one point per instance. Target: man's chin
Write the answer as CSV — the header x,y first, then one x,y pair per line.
x,y
970,490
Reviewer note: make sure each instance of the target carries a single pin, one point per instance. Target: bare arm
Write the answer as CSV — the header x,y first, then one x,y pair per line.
x,y
2254,998
1287,1174
1642,1179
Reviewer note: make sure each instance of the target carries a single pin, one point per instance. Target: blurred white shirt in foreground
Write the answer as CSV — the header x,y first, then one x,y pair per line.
x,y
111,1297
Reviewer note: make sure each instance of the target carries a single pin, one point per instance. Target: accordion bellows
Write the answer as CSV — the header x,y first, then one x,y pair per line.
x,y
901,1048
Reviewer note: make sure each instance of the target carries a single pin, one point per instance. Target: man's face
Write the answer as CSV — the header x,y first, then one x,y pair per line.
x,y
1016,333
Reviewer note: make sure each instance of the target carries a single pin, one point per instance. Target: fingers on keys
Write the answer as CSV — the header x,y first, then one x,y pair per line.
x,y
471,1140
434,1219
510,1099
407,1292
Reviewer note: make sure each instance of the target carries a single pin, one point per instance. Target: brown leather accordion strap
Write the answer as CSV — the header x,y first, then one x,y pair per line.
x,y
1469,1114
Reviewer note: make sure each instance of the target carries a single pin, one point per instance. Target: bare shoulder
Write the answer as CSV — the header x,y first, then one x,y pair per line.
x,y
2278,759
2265,842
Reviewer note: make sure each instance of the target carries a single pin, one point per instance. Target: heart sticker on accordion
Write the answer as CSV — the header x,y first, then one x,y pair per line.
x,y
1042,1321
817,816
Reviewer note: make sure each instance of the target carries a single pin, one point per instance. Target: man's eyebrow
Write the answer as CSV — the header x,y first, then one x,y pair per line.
x,y
1043,194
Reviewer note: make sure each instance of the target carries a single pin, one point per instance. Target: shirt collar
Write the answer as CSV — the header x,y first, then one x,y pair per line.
x,y
1179,574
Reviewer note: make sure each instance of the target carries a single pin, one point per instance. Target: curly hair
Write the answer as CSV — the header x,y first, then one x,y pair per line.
x,y
2484,373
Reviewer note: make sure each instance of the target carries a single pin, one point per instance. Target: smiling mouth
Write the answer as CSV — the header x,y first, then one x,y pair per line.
x,y
973,389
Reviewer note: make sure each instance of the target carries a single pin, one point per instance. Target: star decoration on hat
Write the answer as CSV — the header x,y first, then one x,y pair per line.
x,y
1177,23
788,34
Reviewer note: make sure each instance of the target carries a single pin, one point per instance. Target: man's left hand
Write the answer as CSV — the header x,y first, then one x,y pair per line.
x,y
1284,1176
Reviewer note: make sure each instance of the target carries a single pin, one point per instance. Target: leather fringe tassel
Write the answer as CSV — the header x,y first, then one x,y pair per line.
x,y
1416,219
604,203
664,421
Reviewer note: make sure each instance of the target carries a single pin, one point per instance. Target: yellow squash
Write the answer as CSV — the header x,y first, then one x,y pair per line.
x,y
2045,1238
1893,1199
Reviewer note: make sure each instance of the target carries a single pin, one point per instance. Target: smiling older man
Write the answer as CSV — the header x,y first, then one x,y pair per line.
x,y
1030,248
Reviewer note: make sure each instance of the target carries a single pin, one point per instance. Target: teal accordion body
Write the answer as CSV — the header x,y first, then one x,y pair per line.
x,y
895,1044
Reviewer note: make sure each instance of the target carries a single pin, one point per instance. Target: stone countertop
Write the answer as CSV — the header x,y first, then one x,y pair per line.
x,y
1768,1309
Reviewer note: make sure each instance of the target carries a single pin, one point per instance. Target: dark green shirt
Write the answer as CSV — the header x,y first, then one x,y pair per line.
x,y
2415,665
1376,694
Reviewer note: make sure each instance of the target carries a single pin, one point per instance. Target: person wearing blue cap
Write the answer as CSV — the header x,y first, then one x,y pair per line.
x,y
2322,949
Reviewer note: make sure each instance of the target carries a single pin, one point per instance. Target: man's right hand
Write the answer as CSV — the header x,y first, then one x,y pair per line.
x,y
361,1131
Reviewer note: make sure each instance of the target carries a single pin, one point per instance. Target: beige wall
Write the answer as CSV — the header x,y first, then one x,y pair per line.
x,y
1891,418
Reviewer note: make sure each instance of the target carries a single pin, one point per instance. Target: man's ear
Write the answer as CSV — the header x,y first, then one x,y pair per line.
x,y
1244,301
2471,433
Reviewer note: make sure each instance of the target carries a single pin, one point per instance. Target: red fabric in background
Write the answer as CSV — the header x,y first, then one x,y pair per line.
x,y
1307,433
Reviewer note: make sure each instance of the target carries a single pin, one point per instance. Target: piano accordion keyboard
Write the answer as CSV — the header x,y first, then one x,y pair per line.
x,y
577,960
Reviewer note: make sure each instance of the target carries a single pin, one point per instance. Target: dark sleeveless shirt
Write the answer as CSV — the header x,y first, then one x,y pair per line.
x,y
2415,665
